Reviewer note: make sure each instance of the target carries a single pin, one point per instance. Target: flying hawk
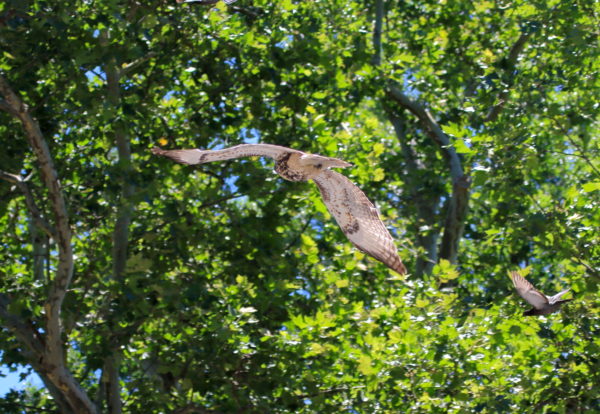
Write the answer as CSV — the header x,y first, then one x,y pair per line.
x,y
351,208
542,304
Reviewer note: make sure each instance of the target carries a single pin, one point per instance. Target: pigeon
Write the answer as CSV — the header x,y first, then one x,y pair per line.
x,y
542,304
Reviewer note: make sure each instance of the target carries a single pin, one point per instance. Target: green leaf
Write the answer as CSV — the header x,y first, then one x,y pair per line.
x,y
592,186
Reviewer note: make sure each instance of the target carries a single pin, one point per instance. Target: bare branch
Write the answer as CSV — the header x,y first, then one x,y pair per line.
x,y
426,206
458,204
456,215
30,202
431,127
299,234
582,152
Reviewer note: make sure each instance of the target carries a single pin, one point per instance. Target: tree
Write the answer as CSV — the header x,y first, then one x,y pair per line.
x,y
130,284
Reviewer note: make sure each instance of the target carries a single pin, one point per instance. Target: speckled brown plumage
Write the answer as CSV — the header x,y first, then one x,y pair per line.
x,y
355,214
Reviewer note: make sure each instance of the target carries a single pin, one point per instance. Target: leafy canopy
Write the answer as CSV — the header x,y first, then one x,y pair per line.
x,y
223,288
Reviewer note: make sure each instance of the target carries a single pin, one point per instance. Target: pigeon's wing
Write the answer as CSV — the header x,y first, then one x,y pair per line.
x,y
358,218
526,290
197,156
556,298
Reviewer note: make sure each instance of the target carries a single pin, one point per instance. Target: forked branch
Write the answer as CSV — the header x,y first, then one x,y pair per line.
x,y
459,201
51,363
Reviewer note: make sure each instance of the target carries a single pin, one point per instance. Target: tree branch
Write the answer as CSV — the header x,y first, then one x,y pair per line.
x,y
426,208
4,106
30,202
110,379
52,362
459,201
34,349
578,147
130,67
220,200
28,335
377,30
329,391
251,12
64,270
509,64
431,127
40,253
592,271
124,211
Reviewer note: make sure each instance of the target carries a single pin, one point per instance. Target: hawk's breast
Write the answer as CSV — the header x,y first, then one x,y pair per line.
x,y
284,168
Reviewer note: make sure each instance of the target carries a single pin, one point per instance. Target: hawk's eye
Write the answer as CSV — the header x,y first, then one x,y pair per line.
x,y
319,165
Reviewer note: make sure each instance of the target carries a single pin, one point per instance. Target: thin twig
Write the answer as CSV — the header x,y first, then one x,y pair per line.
x,y
582,154
329,391
510,64
30,202
130,67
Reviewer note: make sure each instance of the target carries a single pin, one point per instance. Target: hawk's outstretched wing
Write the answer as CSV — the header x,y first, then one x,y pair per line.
x,y
196,156
526,290
351,208
358,218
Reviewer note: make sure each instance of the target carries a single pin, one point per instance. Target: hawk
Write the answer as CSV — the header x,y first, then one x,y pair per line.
x,y
542,304
355,214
